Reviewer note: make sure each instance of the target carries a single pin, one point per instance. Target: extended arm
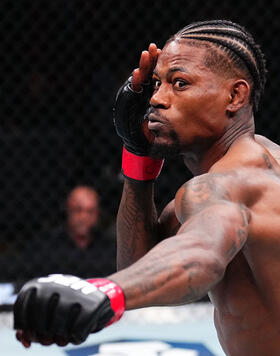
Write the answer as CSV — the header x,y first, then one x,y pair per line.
x,y
179,269
183,268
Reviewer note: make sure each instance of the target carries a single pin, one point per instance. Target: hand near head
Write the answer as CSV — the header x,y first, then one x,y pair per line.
x,y
147,64
129,115
132,102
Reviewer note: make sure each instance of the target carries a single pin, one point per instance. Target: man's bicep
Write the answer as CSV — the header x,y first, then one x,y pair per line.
x,y
220,228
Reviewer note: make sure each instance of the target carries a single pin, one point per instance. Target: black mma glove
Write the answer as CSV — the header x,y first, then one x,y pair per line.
x,y
129,115
67,307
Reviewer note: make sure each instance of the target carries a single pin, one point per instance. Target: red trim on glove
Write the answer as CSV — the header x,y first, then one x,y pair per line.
x,y
114,293
142,168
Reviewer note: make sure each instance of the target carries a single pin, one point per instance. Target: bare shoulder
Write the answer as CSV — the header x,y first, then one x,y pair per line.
x,y
194,196
267,142
272,147
202,191
246,176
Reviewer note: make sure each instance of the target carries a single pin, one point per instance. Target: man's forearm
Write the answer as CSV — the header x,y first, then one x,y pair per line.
x,y
137,227
185,267
175,271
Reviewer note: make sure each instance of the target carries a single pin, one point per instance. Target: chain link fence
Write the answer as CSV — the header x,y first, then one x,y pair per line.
x,y
61,63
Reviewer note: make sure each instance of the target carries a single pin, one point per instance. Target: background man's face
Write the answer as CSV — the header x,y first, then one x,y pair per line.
x,y
82,210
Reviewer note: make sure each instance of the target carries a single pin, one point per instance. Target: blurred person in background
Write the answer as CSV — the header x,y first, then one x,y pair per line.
x,y
83,243
82,208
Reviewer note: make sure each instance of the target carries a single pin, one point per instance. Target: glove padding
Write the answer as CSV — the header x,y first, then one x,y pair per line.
x,y
129,114
62,306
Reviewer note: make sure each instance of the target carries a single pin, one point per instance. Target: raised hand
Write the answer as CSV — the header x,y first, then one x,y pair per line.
x,y
132,102
147,64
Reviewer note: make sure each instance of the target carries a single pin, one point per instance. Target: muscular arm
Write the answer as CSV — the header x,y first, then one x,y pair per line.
x,y
137,228
137,225
183,268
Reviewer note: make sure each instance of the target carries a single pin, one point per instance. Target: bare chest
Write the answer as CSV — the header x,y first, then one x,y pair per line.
x,y
247,311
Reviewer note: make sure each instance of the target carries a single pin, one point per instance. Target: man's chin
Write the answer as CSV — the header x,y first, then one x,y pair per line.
x,y
159,151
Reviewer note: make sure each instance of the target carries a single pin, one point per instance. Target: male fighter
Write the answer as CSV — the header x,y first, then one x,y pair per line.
x,y
220,235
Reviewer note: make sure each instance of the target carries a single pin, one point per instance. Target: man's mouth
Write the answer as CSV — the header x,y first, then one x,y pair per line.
x,y
154,125
154,122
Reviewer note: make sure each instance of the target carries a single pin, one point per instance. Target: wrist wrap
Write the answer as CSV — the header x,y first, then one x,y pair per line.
x,y
114,293
141,168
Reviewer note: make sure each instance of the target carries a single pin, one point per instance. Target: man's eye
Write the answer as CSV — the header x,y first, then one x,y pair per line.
x,y
179,83
156,83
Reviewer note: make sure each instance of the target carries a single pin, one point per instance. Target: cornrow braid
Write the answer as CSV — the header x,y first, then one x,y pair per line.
x,y
238,45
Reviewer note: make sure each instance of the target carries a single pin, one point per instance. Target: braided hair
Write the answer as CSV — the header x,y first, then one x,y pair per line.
x,y
230,49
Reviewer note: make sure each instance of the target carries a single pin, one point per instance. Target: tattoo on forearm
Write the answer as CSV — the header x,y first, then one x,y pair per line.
x,y
193,291
135,223
157,271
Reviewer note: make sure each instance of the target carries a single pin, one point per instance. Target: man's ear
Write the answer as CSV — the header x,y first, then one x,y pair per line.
x,y
239,96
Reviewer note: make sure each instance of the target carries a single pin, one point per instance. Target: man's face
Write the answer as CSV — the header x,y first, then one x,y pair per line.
x,y
189,101
83,211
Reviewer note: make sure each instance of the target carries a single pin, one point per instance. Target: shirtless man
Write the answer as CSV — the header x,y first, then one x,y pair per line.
x,y
220,235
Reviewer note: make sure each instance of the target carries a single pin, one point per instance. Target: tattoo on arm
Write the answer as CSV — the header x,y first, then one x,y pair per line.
x,y
232,250
150,276
267,161
201,191
240,235
274,170
135,224
214,229
193,292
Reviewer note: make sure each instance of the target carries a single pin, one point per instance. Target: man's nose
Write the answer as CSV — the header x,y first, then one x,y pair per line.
x,y
160,98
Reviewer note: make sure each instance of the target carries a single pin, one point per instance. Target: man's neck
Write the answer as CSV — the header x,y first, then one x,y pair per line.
x,y
199,161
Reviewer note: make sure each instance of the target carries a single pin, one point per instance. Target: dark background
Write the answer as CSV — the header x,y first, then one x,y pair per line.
x,y
61,63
